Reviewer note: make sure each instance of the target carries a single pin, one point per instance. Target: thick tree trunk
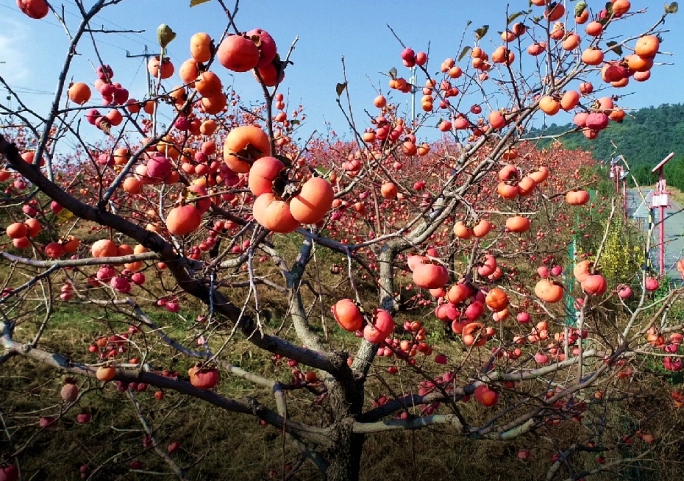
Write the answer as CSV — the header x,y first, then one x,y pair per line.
x,y
345,458
346,404
345,455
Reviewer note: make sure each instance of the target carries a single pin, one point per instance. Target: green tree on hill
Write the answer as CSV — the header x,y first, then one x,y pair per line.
x,y
645,138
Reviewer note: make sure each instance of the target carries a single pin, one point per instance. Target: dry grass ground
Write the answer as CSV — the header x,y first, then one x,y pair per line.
x,y
216,445
220,445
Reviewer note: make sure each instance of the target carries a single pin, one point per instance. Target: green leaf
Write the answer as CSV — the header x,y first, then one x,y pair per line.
x,y
463,53
286,162
295,122
340,88
165,35
579,8
65,215
513,16
194,3
671,7
481,32
393,72
614,47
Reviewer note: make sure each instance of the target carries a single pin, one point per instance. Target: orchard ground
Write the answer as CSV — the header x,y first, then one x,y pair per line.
x,y
251,451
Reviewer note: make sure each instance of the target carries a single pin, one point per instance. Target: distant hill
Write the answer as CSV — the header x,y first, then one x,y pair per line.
x,y
644,138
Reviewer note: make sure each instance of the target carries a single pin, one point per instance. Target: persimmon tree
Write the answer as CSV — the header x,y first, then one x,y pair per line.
x,y
443,262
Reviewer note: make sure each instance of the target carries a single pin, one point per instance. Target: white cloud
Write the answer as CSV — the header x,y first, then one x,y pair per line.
x,y
14,63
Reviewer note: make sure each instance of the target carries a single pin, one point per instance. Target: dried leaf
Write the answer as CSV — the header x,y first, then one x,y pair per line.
x,y
105,126
393,72
671,7
194,3
614,47
340,88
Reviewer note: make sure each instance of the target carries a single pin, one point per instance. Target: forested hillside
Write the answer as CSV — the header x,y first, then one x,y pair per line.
x,y
644,139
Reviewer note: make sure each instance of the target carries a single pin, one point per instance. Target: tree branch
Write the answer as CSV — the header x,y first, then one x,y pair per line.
x,y
246,406
176,264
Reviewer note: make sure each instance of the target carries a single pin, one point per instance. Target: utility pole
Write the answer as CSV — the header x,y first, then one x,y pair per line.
x,y
147,57
619,174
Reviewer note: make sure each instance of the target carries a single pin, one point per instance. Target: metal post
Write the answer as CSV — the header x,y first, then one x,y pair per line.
x,y
662,241
651,220
617,179
662,225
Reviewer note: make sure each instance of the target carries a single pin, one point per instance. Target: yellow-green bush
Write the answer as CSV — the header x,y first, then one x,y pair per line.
x,y
623,253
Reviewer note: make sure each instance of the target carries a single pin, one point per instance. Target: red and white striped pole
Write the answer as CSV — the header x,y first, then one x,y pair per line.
x,y
660,199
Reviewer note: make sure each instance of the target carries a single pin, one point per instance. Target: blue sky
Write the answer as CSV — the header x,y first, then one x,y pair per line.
x,y
33,51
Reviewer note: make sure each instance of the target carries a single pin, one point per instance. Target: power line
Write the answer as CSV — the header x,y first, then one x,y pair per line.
x,y
28,90
99,16
60,27
146,40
